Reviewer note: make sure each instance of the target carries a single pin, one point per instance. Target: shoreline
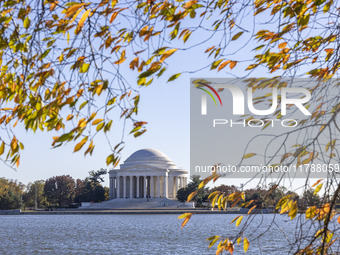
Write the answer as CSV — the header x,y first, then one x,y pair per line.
x,y
125,211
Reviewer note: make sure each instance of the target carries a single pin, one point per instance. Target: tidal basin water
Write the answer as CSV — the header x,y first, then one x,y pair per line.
x,y
135,234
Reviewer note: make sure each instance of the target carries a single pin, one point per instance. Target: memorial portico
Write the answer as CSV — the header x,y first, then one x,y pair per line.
x,y
147,173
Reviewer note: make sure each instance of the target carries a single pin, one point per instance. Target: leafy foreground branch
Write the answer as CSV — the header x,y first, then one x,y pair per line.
x,y
320,243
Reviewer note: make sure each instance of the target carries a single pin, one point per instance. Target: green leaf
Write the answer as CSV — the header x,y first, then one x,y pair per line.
x,y
174,77
235,37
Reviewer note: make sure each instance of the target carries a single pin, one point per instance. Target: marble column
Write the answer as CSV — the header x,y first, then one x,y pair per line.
x,y
165,186
131,181
151,187
124,187
158,187
114,192
145,183
111,196
118,186
137,182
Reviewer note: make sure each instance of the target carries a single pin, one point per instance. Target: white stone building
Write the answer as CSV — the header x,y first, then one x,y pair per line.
x,y
147,173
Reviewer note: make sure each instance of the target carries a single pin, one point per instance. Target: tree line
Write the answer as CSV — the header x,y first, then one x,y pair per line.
x,y
57,191
261,197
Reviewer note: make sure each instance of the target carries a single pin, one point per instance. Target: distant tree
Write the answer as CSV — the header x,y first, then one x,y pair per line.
x,y
79,191
10,194
91,189
309,198
97,176
200,196
29,196
60,190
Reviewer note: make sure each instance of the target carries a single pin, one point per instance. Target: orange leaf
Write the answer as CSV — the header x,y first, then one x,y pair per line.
x,y
232,64
251,209
113,17
223,65
317,182
339,219
282,45
191,195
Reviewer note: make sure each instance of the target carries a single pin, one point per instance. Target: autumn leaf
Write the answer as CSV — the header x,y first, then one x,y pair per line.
x,y
232,64
167,54
239,220
318,188
191,195
318,181
224,64
245,244
80,145
282,45
235,37
186,217
249,155
83,18
2,148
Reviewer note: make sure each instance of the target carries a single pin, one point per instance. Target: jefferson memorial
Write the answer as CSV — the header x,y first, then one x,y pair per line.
x,y
147,173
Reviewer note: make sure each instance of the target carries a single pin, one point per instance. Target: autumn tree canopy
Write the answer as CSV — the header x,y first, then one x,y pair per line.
x,y
62,68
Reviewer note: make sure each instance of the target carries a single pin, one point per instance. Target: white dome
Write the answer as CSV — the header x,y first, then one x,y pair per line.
x,y
150,157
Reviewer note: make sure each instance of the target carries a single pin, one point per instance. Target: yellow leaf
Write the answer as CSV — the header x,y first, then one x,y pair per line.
x,y
224,203
311,212
71,10
239,220
249,155
191,195
213,194
239,240
245,244
235,219
76,15
317,189
219,202
214,201
167,54
184,215
83,18
243,195
2,148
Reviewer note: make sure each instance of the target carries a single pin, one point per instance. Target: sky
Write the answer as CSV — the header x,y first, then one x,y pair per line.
x,y
165,106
